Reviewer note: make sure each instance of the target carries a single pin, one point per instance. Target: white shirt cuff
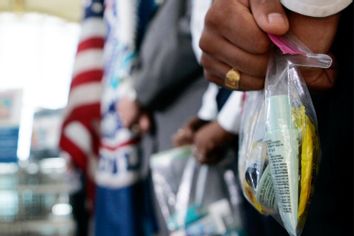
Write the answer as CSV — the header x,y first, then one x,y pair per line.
x,y
209,110
229,117
199,10
316,8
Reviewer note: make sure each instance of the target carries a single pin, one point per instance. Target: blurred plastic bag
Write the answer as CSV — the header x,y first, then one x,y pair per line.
x,y
279,145
196,199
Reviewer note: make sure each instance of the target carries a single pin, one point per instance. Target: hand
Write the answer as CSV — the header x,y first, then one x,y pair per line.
x,y
133,116
232,39
211,142
234,36
185,135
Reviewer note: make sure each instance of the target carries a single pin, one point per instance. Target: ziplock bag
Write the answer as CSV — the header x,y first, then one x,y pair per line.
x,y
279,145
196,199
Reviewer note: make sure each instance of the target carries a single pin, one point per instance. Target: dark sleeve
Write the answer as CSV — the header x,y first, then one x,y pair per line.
x,y
334,110
167,63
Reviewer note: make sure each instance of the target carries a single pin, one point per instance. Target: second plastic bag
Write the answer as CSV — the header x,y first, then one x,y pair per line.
x,y
279,144
196,199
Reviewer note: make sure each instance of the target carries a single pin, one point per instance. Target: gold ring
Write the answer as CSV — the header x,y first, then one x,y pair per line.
x,y
232,79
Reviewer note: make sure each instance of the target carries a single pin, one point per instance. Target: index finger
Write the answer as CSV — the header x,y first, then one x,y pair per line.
x,y
234,21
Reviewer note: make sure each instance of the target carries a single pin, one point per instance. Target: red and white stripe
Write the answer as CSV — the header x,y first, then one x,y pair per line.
x,y
80,130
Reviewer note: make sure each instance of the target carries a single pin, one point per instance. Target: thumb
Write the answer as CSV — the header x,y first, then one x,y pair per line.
x,y
270,16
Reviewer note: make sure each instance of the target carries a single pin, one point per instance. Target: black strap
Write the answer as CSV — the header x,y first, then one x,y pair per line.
x,y
222,96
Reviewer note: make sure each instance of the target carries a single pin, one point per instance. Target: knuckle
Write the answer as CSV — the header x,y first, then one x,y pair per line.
x,y
205,41
204,60
212,18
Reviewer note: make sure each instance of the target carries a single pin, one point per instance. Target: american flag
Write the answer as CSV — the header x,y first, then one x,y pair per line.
x,y
92,134
80,129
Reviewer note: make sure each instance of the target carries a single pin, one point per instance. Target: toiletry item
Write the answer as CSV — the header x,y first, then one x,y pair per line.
x,y
195,199
283,150
310,150
214,221
265,193
192,214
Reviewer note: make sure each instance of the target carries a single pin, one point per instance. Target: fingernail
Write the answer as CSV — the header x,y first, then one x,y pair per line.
x,y
276,18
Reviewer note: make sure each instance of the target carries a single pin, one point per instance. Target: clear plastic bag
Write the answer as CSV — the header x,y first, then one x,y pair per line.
x,y
196,199
279,144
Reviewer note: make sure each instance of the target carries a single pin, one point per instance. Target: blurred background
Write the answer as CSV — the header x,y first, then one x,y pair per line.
x,y
38,41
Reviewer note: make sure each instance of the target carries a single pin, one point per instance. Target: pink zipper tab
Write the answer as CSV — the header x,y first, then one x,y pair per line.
x,y
285,45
